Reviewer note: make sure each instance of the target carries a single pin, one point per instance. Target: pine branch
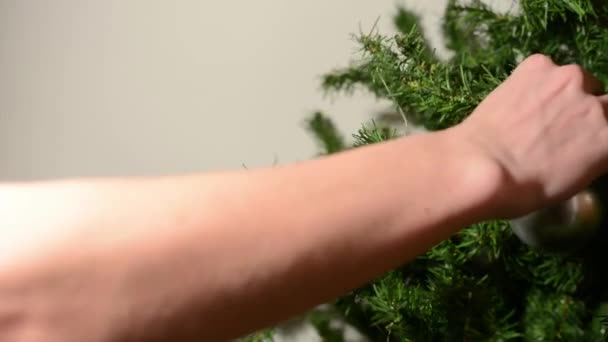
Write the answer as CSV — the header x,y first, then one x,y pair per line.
x,y
321,321
373,135
482,283
553,317
326,133
266,335
405,22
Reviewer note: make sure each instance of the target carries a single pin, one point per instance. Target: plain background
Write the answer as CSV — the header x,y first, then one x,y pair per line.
x,y
144,87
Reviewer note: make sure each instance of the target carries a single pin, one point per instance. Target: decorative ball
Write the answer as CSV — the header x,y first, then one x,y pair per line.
x,y
563,228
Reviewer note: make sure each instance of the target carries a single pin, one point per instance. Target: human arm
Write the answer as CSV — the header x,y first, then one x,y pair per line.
x,y
239,250
213,256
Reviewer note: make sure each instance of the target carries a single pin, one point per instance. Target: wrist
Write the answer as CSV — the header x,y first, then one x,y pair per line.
x,y
481,176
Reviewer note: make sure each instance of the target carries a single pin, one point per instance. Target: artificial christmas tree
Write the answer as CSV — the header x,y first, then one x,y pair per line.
x,y
484,283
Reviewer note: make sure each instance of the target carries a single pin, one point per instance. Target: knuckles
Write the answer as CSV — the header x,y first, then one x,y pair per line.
x,y
595,106
572,79
538,60
572,73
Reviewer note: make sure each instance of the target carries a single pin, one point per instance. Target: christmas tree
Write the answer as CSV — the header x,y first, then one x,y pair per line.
x,y
483,284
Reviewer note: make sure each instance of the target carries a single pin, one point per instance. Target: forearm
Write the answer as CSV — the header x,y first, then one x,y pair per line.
x,y
266,244
222,254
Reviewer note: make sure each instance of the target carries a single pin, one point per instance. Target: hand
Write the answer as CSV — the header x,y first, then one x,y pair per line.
x,y
545,128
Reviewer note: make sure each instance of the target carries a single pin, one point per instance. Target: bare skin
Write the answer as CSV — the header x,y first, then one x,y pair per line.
x,y
210,257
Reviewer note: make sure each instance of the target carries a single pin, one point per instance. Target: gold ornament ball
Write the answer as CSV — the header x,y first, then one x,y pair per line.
x,y
563,228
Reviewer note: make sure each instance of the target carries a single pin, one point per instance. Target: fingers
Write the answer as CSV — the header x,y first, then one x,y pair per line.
x,y
535,62
581,79
604,101
589,83
603,141
572,72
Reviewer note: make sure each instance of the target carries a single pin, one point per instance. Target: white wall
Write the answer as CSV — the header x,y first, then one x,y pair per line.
x,y
122,87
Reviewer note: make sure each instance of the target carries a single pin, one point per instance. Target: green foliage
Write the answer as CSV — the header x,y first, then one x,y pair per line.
x,y
406,21
326,133
372,135
482,284
437,95
553,317
322,321
331,140
261,336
